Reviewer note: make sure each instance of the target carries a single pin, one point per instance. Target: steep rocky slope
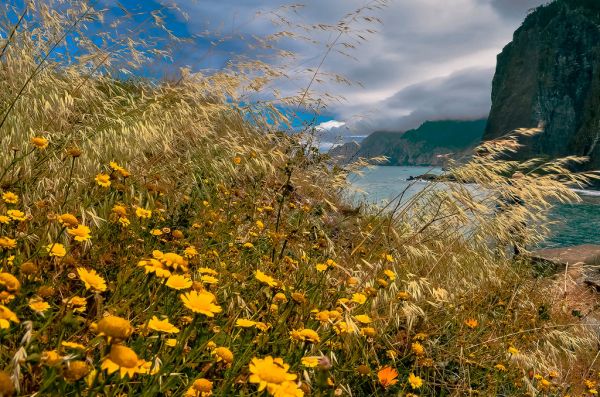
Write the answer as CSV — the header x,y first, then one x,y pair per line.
x,y
425,145
550,75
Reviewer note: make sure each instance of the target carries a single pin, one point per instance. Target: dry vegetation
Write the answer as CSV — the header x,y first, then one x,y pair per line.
x,y
165,239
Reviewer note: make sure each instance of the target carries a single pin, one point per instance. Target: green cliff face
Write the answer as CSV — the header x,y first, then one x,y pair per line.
x,y
424,145
550,75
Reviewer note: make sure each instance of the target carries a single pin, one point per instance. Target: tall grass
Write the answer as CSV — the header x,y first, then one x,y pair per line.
x,y
422,297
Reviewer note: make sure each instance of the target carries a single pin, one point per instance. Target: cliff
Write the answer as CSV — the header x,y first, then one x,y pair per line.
x,y
425,145
550,75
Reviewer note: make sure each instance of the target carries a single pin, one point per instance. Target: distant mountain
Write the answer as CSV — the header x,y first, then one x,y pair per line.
x,y
421,146
550,75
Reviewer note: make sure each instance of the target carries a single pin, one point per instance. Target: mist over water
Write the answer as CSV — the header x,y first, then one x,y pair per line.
x,y
572,224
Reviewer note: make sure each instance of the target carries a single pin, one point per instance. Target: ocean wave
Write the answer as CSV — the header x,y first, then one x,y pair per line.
x,y
585,192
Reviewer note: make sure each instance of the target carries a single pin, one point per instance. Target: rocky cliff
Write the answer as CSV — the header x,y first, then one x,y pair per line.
x,y
550,75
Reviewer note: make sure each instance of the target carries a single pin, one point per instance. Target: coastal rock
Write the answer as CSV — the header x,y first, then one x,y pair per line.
x,y
549,76
583,259
586,254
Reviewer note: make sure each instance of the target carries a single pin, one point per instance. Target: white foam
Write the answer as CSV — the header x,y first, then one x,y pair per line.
x,y
584,192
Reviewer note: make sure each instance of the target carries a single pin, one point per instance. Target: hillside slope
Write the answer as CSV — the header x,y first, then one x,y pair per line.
x,y
424,145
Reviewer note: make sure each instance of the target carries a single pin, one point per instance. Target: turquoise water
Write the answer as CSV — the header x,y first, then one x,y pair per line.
x,y
572,223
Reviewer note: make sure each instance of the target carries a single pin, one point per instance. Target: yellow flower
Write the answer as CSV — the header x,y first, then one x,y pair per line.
x,y
305,334
171,342
122,359
418,349
178,282
280,298
263,326
154,266
10,198
81,233
6,297
368,331
359,298
321,267
124,222
200,388
40,142
210,345
245,323
513,350
51,358
119,210
286,389
310,362
7,388
223,354
119,169
103,180
7,243
207,270
76,370
17,215
190,252
38,305
201,302
114,327
342,327
415,381
150,367
403,295
237,160
269,372
162,325
91,279
72,345
387,377
391,275
260,224
56,249
156,232
263,278
6,316
9,281
471,323
68,220
5,219
363,318
209,279
143,213
174,260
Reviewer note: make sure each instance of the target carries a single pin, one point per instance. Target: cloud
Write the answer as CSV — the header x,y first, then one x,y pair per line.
x,y
327,125
463,95
429,59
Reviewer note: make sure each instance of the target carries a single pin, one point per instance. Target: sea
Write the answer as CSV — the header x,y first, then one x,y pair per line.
x,y
572,224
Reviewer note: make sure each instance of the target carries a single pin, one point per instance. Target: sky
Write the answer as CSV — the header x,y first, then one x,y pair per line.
x,y
428,60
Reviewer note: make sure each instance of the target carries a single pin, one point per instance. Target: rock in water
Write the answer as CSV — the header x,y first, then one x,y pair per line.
x,y
550,74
